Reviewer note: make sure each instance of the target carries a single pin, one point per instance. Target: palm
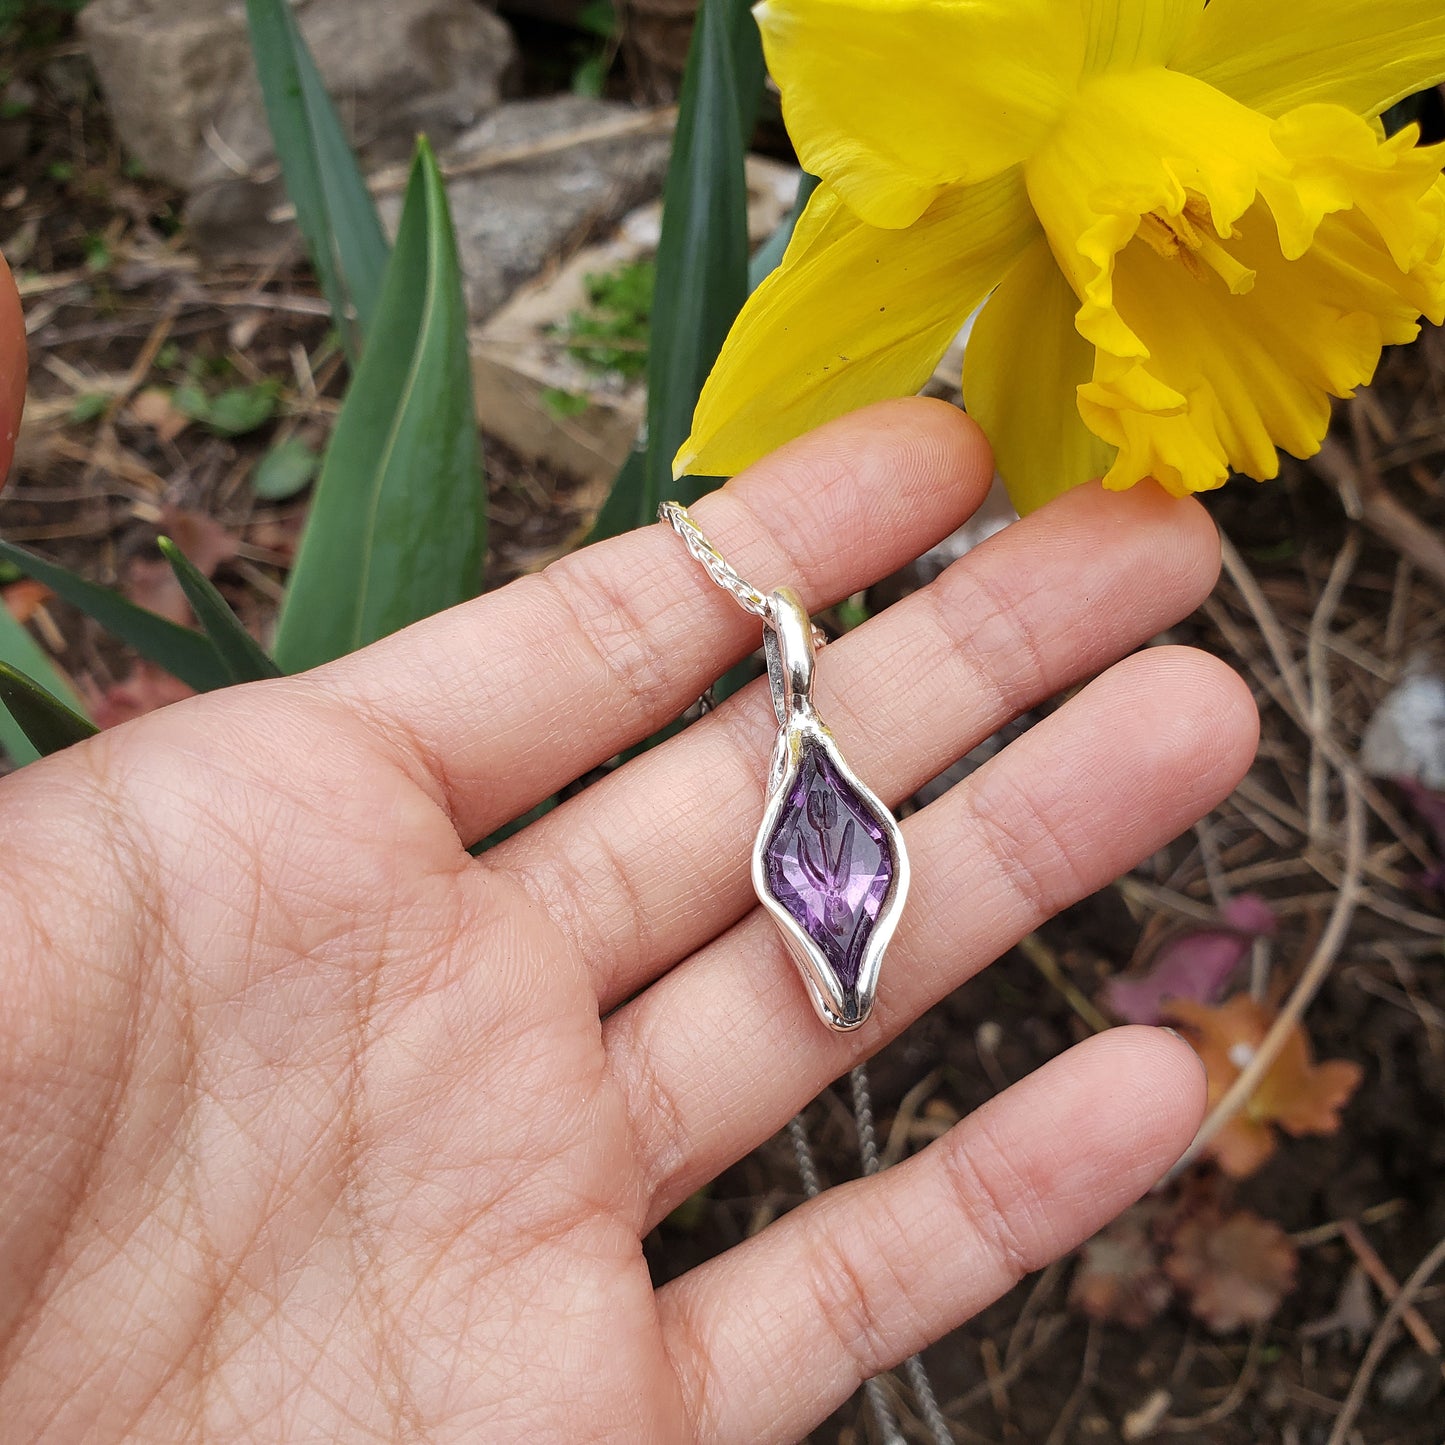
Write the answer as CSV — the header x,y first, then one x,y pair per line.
x,y
312,1126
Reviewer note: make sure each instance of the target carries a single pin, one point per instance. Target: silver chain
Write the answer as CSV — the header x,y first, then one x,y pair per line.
x,y
743,593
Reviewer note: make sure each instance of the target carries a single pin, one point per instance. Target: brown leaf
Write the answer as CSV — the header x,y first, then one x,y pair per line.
x,y
1296,1095
155,407
1119,1279
25,597
149,581
147,688
1235,1269
203,539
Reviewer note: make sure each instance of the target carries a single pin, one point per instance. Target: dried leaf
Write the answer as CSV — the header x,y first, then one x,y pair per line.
x,y
1354,1314
1196,964
1235,1269
150,582
147,688
25,597
1119,1279
156,408
1296,1094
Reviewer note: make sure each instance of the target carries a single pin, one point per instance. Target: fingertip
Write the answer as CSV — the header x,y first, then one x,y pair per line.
x,y
918,453
1159,1087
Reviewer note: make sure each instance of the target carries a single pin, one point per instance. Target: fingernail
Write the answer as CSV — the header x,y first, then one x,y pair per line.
x,y
1165,1029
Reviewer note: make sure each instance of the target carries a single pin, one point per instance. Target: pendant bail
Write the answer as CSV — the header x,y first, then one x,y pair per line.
x,y
790,651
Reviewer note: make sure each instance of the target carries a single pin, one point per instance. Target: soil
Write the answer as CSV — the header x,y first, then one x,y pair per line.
x,y
116,304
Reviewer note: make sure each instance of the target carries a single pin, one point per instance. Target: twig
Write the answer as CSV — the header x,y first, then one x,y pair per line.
x,y
906,1113
1287,692
1183,1425
1389,1286
1042,957
1368,500
976,1394
1319,677
1310,980
394,178
1087,1373
1345,1420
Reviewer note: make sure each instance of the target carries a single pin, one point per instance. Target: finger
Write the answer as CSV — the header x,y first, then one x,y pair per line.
x,y
503,700
716,1056
653,862
771,1336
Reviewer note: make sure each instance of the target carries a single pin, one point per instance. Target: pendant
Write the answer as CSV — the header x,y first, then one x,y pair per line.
x,y
829,862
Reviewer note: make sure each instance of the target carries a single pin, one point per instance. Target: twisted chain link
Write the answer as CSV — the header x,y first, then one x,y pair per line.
x,y
743,593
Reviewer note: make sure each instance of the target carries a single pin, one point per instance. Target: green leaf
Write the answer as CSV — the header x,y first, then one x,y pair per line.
x,y
48,725
770,253
333,207
397,529
702,257
284,470
233,412
20,651
241,654
184,653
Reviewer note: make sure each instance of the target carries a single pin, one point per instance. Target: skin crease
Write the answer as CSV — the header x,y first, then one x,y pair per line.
x,y
314,1127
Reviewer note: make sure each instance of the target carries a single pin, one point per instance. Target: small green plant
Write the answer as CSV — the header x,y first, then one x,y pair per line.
x,y
233,412
561,404
611,334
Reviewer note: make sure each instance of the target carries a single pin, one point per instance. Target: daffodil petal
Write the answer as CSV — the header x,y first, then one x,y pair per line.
x,y
891,101
853,315
1230,377
1362,54
1125,34
1021,375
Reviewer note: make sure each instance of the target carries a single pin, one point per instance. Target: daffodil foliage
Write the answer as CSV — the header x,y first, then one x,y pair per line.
x,y
1186,225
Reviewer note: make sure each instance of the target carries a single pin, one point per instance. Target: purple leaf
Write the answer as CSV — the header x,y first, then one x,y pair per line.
x,y
1196,964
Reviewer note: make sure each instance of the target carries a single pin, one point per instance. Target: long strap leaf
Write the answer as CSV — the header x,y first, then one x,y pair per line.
x,y
239,652
188,655
702,256
334,209
21,651
47,723
397,529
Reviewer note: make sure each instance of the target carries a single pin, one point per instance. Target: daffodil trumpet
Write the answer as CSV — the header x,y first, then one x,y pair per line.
x,y
1185,224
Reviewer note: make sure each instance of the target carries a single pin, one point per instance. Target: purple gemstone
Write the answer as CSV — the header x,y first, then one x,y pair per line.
x,y
829,864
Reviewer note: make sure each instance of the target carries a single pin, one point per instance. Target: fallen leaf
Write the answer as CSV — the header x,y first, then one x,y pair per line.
x,y
155,407
1354,1314
147,688
1297,1095
1119,1279
149,581
25,597
204,540
1234,1269
1195,964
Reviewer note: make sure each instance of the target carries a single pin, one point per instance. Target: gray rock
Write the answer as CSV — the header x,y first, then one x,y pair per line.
x,y
513,220
178,79
163,68
1405,739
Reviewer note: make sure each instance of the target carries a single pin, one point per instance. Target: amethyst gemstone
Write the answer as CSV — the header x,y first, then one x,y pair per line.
x,y
829,863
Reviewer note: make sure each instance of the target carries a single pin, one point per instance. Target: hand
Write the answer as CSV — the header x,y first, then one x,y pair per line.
x,y
312,1127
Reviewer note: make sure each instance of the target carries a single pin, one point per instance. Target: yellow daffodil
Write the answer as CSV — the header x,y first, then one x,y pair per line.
x,y
1187,222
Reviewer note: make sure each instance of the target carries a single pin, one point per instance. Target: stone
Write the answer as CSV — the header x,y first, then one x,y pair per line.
x,y
563,189
181,88
521,363
829,864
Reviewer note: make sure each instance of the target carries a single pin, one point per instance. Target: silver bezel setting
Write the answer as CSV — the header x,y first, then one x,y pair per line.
x,y
790,663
